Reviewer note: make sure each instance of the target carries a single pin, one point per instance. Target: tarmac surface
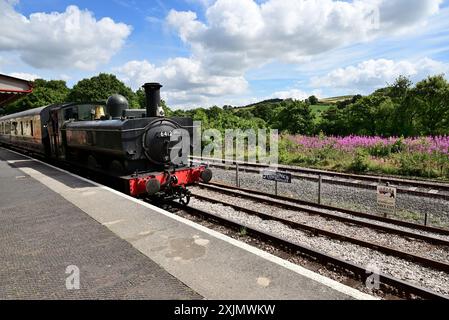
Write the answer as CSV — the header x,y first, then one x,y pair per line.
x,y
43,236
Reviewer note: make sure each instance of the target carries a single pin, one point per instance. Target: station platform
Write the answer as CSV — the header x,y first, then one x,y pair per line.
x,y
124,248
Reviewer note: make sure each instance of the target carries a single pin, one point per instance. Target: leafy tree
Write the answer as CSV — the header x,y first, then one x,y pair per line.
x,y
313,100
296,117
430,98
44,93
201,115
267,111
100,87
333,122
243,113
400,88
398,109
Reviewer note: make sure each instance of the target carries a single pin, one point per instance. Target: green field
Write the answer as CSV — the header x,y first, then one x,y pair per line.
x,y
335,99
318,109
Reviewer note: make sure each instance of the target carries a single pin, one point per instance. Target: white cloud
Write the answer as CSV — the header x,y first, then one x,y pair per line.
x,y
73,38
240,34
373,74
295,94
185,80
25,76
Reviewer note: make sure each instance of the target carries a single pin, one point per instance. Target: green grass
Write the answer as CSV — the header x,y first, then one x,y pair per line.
x,y
318,109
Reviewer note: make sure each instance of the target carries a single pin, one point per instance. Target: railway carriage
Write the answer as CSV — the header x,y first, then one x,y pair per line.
x,y
142,148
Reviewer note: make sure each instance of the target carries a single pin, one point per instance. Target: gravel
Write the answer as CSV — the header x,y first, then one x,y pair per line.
x,y
399,268
414,246
409,207
346,215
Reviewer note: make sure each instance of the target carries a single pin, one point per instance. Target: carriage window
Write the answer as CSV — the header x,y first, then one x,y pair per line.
x,y
31,128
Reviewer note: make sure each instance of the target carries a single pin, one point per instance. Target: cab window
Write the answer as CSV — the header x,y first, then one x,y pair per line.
x,y
84,112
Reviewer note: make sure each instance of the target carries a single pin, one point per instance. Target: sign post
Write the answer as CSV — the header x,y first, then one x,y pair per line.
x,y
386,200
320,182
237,178
276,176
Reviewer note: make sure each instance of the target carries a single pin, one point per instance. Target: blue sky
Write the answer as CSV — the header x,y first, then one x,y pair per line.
x,y
220,52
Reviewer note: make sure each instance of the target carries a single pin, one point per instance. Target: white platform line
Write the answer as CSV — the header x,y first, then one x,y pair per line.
x,y
111,223
258,252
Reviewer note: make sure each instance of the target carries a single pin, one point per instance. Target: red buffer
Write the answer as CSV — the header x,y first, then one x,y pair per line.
x,y
168,183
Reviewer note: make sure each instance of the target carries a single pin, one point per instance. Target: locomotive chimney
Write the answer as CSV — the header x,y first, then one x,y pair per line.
x,y
153,99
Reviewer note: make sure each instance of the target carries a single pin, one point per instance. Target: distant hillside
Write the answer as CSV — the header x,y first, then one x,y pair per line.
x,y
325,101
335,99
317,110
255,105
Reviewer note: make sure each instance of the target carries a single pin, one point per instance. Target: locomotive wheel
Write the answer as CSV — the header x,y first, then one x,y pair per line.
x,y
206,175
116,168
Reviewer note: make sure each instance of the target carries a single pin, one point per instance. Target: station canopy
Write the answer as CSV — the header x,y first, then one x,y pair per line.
x,y
12,89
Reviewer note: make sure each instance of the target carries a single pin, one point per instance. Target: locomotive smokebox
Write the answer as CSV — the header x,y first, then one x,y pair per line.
x,y
153,99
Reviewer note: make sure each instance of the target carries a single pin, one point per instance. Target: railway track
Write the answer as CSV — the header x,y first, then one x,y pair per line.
x,y
431,234
356,270
419,233
438,265
420,188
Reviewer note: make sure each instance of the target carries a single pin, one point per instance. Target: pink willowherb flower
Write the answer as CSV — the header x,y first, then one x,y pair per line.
x,y
429,145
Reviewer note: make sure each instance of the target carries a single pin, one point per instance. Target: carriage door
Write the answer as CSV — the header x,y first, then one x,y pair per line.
x,y
55,135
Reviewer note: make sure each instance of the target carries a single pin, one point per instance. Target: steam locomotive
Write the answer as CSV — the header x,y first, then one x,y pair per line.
x,y
146,151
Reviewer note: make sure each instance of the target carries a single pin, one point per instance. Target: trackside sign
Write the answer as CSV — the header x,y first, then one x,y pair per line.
x,y
386,199
277,176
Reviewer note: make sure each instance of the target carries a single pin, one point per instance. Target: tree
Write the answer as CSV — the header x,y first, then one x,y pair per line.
x,y
296,117
333,122
267,111
44,93
100,87
313,100
243,113
430,99
400,88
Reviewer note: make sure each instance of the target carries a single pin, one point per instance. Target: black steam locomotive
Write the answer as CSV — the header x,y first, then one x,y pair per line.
x,y
147,151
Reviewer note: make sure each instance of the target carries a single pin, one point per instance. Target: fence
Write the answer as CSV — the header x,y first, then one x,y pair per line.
x,y
324,190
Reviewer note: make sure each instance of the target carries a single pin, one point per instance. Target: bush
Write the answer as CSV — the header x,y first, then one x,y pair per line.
x,y
416,164
382,150
360,162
